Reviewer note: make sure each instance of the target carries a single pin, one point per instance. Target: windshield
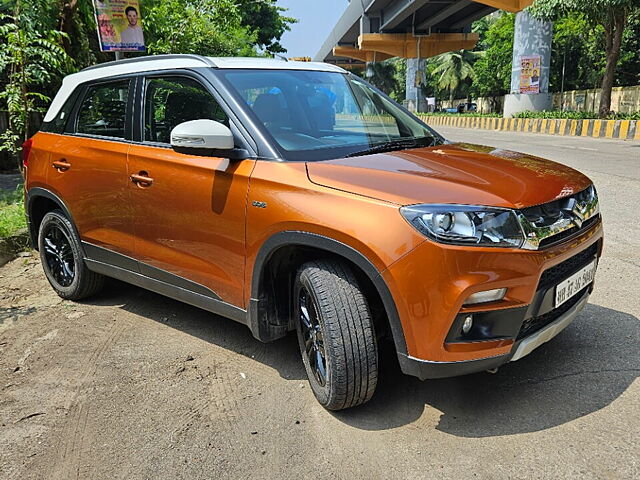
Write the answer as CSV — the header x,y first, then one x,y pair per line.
x,y
321,115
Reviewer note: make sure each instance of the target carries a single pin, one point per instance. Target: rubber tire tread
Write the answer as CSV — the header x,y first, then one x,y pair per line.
x,y
86,282
349,334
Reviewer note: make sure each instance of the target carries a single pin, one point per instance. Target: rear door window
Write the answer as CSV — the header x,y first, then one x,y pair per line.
x,y
104,110
170,101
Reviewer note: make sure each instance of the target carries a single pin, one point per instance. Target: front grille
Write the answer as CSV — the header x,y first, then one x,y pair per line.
x,y
547,242
556,221
534,324
565,269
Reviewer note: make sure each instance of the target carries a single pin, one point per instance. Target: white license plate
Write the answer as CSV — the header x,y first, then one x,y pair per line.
x,y
576,282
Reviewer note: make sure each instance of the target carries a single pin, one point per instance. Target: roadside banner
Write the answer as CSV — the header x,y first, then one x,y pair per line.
x,y
530,74
119,28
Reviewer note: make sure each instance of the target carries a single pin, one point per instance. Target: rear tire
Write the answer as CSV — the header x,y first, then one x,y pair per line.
x,y
62,259
336,334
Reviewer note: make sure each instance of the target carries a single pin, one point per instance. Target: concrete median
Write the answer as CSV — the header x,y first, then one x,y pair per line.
x,y
619,129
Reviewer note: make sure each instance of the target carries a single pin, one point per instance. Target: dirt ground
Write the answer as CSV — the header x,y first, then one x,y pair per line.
x,y
132,385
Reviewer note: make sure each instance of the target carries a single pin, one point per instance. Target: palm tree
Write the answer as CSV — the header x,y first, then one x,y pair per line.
x,y
454,69
382,75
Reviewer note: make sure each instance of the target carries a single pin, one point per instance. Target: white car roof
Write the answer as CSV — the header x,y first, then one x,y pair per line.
x,y
171,62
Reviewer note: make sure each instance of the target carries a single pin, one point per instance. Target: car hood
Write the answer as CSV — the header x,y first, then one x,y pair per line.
x,y
454,173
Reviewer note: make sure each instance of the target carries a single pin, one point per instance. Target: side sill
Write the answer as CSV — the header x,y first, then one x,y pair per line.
x,y
212,305
109,257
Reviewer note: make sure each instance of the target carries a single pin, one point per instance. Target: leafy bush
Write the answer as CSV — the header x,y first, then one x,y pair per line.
x,y
557,114
29,59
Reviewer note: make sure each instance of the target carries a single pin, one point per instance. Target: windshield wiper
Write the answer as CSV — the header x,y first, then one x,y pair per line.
x,y
395,145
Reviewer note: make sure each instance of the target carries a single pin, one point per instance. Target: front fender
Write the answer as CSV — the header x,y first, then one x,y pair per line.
x,y
320,242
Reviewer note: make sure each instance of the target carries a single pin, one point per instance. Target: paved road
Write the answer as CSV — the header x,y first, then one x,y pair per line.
x,y
133,385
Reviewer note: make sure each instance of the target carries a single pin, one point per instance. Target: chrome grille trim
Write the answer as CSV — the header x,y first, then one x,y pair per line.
x,y
543,222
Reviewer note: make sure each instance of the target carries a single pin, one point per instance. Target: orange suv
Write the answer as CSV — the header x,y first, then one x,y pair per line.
x,y
295,196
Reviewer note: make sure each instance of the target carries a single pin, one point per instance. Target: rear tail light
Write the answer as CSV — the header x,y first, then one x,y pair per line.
x,y
26,150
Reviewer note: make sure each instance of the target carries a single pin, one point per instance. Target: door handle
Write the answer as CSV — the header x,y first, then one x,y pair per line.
x,y
61,165
142,179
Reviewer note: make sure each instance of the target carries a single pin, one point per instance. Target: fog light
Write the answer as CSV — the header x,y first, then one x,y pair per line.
x,y
486,296
468,324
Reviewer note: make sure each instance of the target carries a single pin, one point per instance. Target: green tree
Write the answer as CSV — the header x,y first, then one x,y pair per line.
x,y
75,19
266,20
400,91
628,71
612,16
205,27
29,59
577,60
493,69
454,69
383,76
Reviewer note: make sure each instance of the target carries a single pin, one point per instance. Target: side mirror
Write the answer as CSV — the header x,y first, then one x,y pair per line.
x,y
205,138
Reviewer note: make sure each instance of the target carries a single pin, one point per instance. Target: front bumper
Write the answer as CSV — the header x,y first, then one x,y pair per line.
x,y
431,284
424,369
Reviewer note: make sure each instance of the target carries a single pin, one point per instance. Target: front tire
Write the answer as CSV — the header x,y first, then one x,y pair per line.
x,y
62,259
336,334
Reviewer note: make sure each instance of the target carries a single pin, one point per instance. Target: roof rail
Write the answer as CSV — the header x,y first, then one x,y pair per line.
x,y
147,58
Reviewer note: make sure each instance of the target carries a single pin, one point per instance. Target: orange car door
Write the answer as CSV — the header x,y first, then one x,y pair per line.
x,y
89,166
189,211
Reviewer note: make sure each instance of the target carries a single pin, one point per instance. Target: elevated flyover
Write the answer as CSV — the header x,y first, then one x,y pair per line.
x,y
375,30
406,28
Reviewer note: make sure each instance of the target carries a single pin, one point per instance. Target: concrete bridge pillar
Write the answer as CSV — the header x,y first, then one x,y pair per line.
x,y
415,101
531,62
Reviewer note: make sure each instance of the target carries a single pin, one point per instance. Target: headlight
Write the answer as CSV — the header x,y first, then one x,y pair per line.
x,y
466,225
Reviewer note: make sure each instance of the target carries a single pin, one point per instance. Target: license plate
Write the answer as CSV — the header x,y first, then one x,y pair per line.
x,y
576,282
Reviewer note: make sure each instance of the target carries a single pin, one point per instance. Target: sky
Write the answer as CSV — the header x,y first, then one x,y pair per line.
x,y
316,18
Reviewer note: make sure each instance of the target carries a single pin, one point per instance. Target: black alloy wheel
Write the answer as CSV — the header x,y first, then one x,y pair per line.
x,y
336,334
62,258
312,336
59,255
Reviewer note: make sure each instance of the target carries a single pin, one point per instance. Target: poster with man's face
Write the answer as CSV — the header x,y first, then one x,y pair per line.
x,y
530,74
119,25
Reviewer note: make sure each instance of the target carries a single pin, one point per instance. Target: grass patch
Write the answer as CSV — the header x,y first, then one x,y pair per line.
x,y
12,217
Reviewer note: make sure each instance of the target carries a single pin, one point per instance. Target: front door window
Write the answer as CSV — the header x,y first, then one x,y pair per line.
x,y
170,101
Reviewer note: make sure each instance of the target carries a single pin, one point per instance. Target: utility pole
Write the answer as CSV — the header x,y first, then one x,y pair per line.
x,y
564,64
